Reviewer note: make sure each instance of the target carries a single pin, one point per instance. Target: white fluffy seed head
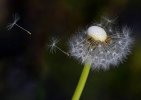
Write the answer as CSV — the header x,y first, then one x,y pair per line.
x,y
97,33
102,55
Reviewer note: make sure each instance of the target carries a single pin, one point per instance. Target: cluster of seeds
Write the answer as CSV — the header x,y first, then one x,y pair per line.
x,y
101,44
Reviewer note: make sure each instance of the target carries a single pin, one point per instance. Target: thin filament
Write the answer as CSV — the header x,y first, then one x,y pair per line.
x,y
23,29
62,51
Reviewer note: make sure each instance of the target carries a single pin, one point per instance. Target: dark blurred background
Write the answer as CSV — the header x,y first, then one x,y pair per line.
x,y
28,71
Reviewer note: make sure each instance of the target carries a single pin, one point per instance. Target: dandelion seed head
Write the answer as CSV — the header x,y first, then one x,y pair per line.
x,y
102,48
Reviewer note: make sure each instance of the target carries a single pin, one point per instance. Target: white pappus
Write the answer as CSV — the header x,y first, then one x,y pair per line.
x,y
14,23
102,45
53,46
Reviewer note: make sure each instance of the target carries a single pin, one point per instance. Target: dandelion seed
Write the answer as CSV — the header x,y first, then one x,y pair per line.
x,y
53,46
108,21
16,19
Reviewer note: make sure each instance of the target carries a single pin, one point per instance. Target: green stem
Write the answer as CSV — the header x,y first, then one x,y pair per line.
x,y
82,82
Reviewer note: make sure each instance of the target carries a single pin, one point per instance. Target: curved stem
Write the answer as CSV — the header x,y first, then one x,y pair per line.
x,y
82,82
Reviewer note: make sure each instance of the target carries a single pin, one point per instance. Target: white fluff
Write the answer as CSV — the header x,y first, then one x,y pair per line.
x,y
102,54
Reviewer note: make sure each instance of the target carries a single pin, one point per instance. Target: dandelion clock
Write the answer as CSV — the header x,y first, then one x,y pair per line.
x,y
99,47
